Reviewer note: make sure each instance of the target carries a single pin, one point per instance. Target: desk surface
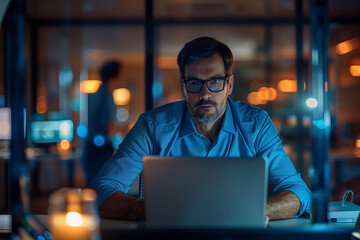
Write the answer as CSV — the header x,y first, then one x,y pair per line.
x,y
108,224
298,228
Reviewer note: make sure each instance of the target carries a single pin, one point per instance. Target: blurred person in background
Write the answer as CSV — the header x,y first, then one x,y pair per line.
x,y
101,119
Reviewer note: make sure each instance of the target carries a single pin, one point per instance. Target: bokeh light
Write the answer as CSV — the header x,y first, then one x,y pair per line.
x,y
90,86
99,140
355,70
122,114
357,143
81,131
65,145
311,103
347,46
287,85
41,107
157,89
121,96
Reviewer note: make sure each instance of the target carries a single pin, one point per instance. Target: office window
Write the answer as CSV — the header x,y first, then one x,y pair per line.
x,y
69,55
344,78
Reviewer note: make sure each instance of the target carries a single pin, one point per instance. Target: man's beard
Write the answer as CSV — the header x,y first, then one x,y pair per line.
x,y
206,117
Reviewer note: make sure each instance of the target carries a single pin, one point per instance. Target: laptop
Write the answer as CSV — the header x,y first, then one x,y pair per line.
x,y
194,192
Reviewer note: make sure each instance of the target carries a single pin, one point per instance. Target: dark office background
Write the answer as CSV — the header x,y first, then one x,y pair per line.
x,y
273,43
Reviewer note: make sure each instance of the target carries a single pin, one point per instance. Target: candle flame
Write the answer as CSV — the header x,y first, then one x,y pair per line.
x,y
74,219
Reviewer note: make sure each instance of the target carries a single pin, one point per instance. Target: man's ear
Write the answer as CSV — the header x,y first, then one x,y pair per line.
x,y
181,86
230,84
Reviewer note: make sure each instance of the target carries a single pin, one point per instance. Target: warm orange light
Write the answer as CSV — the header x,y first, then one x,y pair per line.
x,y
263,93
41,107
166,62
326,86
121,96
90,86
65,144
355,70
347,46
267,94
254,98
251,98
287,85
357,143
272,94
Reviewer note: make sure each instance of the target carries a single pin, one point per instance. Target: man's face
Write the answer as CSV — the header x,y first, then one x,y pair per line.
x,y
206,106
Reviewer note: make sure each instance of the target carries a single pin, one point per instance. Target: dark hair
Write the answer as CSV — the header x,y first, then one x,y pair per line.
x,y
108,70
204,47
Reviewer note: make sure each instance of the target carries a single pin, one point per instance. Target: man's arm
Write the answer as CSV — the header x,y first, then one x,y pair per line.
x,y
283,205
122,206
282,175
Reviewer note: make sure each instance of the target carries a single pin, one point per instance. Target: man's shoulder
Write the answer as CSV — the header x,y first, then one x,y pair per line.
x,y
246,111
167,113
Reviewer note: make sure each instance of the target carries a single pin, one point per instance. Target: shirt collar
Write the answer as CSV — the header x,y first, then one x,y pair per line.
x,y
229,121
188,126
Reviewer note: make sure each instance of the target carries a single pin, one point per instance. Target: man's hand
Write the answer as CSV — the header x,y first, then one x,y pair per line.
x,y
283,205
122,206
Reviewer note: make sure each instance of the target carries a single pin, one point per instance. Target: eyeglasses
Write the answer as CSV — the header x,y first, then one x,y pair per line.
x,y
194,85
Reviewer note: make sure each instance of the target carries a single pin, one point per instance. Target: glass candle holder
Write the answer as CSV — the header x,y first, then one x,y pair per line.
x,y
73,215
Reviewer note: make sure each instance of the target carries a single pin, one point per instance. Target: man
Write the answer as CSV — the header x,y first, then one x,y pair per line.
x,y
206,124
101,120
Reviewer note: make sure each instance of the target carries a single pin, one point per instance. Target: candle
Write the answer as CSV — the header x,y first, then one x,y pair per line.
x,y
72,215
73,226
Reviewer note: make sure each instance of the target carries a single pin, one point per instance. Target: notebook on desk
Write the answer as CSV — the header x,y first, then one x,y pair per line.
x,y
190,192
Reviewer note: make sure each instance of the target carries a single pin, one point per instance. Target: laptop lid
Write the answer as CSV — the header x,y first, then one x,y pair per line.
x,y
192,192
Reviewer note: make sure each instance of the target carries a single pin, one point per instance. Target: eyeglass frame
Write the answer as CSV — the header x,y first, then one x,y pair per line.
x,y
224,78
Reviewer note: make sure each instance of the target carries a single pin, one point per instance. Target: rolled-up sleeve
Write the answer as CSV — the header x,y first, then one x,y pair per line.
x,y
282,173
125,165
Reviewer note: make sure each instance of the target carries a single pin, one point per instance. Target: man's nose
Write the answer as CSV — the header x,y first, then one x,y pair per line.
x,y
205,92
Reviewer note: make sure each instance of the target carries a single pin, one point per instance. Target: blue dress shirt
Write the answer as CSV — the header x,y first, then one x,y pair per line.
x,y
169,131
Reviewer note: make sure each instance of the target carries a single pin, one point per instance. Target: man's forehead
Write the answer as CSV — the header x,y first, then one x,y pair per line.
x,y
210,65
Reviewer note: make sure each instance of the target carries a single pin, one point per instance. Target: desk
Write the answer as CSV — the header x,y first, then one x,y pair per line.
x,y
282,229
